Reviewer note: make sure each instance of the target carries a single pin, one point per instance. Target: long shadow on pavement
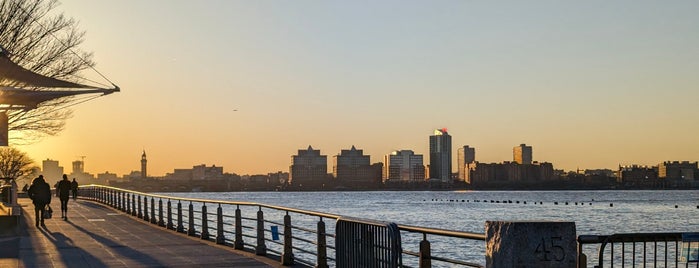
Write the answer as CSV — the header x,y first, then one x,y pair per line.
x,y
121,249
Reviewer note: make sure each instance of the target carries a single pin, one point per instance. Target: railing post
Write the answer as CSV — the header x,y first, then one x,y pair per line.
x,y
288,255
133,204
180,225
140,213
204,223
191,231
220,238
153,220
425,253
322,261
260,249
161,222
127,203
118,199
238,244
122,201
169,215
145,209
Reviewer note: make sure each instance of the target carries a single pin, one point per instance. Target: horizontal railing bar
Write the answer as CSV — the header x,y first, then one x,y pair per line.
x,y
442,232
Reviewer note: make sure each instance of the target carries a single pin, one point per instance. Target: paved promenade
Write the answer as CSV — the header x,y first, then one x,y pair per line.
x,y
98,236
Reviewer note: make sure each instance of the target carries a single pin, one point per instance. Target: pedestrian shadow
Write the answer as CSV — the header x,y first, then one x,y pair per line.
x,y
123,250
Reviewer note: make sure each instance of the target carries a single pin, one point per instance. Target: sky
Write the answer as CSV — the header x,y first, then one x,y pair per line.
x,y
246,84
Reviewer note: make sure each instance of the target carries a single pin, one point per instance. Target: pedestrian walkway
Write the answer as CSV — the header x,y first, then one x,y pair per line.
x,y
98,236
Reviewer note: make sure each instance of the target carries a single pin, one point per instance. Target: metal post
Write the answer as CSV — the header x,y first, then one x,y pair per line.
x,y
161,222
288,255
122,201
145,209
204,223
180,226
127,203
191,231
238,244
118,199
425,253
220,238
322,261
133,205
140,214
169,215
260,249
153,220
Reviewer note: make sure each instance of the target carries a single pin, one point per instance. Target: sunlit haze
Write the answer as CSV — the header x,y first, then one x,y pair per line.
x,y
245,84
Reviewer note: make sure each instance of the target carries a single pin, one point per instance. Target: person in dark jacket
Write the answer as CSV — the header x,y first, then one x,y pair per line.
x,y
40,194
63,190
74,189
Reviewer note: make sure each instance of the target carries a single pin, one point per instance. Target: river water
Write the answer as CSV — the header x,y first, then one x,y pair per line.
x,y
594,212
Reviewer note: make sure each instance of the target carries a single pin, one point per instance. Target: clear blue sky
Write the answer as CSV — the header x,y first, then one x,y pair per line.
x,y
589,84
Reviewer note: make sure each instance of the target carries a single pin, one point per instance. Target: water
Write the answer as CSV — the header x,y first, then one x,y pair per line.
x,y
632,211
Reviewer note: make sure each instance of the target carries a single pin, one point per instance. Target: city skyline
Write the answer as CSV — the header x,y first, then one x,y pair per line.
x,y
330,162
245,84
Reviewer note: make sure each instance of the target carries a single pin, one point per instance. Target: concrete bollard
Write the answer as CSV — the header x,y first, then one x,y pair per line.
x,y
530,244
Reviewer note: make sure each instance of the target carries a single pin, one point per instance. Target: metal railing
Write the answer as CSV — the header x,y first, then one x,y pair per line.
x,y
636,250
303,239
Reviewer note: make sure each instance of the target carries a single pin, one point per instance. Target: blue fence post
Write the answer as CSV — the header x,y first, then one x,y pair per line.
x,y
220,238
260,248
238,244
204,223
322,260
161,221
169,215
180,225
153,220
191,231
288,255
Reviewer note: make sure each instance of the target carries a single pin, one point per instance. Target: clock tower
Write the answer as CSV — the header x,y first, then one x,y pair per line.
x,y
144,163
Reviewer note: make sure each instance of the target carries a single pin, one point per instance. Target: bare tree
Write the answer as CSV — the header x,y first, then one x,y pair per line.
x,y
45,43
15,164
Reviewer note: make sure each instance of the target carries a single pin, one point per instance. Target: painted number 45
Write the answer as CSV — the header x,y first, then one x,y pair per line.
x,y
550,249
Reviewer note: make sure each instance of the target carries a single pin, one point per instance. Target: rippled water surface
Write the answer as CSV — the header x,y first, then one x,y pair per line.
x,y
631,211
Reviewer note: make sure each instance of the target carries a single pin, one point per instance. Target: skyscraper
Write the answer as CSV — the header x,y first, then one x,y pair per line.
x,y
308,168
440,156
353,168
403,166
465,155
522,154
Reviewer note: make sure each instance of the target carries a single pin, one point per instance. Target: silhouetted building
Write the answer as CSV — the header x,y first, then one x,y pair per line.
x,y
522,154
308,168
352,168
403,166
52,171
80,174
511,172
465,155
677,170
638,176
440,156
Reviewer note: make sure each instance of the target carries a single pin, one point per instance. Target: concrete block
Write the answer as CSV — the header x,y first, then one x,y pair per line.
x,y
530,244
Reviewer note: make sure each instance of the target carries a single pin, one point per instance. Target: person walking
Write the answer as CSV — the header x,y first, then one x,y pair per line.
x,y
63,190
40,194
74,189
